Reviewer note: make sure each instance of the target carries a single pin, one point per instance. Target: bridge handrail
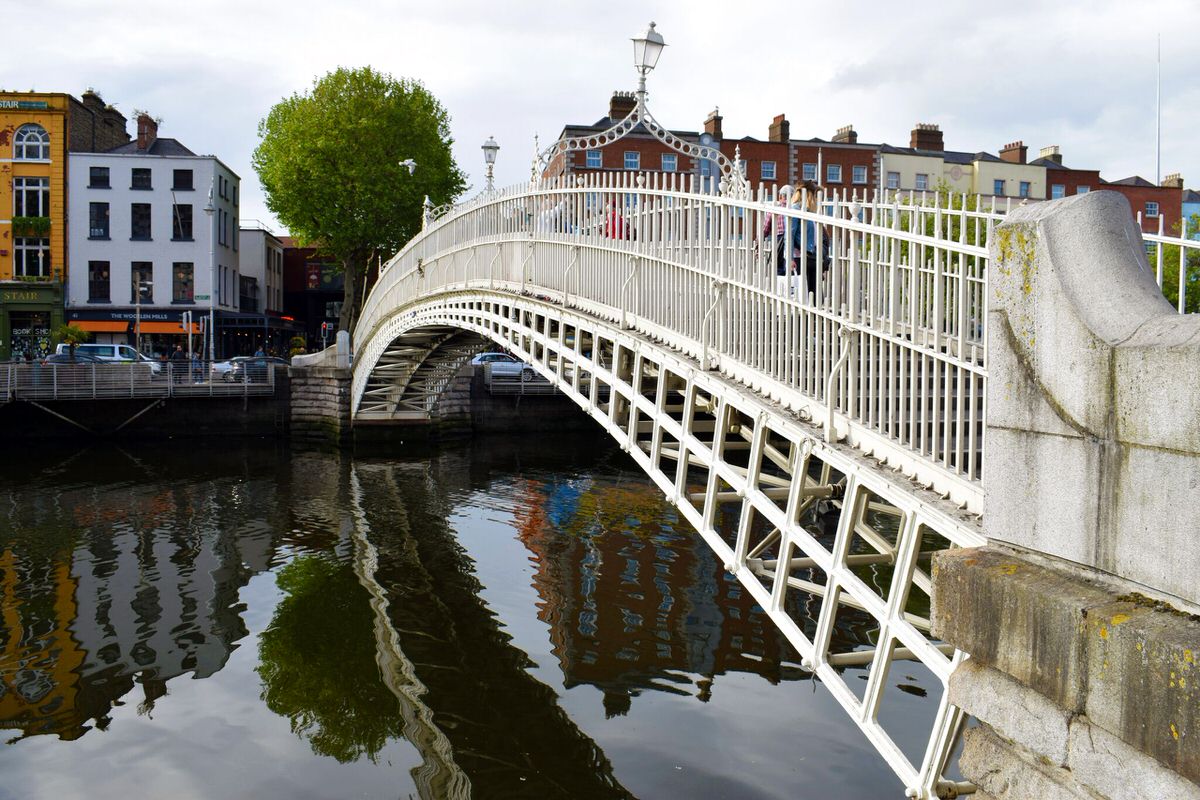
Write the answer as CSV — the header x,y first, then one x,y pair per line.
x,y
902,284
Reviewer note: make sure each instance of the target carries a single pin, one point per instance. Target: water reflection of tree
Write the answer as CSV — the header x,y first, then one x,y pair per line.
x,y
317,662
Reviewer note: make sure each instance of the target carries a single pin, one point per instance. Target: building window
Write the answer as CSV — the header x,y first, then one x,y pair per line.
x,y
31,197
32,258
859,174
97,220
633,159
31,143
139,216
182,180
1058,191
141,282
669,162
1151,209
922,182
181,222
594,160
141,179
893,180
1023,188
808,172
181,282
98,282
998,187
98,177
768,170
1082,189
833,173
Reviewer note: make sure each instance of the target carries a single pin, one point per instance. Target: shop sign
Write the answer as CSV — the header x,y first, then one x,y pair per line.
x,y
19,297
24,104
202,297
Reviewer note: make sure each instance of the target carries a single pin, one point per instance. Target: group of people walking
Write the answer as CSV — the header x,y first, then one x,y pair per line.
x,y
808,249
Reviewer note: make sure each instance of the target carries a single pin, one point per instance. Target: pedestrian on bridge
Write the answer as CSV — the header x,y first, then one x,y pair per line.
x,y
179,365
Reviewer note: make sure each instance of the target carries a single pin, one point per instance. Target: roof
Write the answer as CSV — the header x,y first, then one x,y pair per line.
x,y
1191,196
1133,180
949,156
159,147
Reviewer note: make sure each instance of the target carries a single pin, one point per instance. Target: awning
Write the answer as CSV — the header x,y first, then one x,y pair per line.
x,y
102,325
168,327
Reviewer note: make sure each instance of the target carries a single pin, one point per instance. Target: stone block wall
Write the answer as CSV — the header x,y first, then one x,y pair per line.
x,y
1081,688
320,404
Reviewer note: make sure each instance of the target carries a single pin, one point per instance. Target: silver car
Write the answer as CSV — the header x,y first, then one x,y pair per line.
x,y
506,365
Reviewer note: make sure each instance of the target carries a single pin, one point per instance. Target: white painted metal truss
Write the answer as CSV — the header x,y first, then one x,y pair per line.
x,y
761,487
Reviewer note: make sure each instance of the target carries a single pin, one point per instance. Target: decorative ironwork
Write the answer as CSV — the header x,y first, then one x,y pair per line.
x,y
732,183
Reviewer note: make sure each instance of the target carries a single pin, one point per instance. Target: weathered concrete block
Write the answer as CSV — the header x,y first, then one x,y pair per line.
x,y
1117,771
1144,684
1014,711
1004,771
1019,617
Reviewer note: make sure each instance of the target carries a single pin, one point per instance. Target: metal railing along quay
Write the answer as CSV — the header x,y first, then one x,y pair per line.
x,y
84,381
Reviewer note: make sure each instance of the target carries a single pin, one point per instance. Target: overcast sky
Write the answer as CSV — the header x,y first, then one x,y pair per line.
x,y
1077,74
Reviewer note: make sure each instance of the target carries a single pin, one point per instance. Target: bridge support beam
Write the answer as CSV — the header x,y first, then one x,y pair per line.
x,y
1085,687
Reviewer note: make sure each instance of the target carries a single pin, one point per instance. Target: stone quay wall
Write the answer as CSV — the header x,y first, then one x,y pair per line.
x,y
1080,615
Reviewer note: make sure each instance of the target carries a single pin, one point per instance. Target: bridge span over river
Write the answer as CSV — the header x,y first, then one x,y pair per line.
x,y
946,379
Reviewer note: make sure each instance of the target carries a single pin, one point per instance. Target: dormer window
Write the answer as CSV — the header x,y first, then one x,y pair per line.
x,y
31,143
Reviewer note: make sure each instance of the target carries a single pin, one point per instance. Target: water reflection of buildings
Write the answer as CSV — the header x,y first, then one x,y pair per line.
x,y
634,601
105,593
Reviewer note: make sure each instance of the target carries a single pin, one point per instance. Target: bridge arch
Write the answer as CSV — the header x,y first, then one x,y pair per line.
x,y
731,390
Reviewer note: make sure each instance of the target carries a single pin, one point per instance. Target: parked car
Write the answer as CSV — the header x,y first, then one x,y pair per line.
x,y
504,364
113,353
67,358
253,367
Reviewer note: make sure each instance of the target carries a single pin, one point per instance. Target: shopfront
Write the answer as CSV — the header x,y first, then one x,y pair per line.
x,y
29,313
155,333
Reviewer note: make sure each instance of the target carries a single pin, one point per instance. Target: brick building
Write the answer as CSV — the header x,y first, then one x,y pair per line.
x,y
1160,207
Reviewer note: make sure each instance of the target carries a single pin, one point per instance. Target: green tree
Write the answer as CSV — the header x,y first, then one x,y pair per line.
x,y
1171,258
71,335
329,161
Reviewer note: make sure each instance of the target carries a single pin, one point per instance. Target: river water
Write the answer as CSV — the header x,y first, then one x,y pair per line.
x,y
494,618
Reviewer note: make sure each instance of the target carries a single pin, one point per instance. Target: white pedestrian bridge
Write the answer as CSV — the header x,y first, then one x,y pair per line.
x,y
762,405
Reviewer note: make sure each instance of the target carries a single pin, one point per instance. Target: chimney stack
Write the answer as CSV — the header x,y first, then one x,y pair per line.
x,y
780,130
846,135
1173,181
926,136
1014,152
712,124
620,105
147,131
1053,153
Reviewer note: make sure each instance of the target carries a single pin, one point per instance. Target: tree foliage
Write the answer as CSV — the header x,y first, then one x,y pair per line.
x,y
329,161
1172,256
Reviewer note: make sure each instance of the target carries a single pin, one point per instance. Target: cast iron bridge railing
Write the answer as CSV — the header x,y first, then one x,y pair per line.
x,y
759,402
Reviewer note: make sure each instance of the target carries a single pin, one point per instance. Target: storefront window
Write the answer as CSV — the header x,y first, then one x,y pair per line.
x,y
30,334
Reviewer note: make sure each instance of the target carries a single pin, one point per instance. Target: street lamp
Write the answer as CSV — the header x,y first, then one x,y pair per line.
x,y
212,268
646,51
490,148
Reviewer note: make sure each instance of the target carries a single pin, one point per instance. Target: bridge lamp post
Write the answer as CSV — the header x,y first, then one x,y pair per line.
x,y
646,51
490,148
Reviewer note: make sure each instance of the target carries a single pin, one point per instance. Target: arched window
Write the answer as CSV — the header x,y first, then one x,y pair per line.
x,y
31,143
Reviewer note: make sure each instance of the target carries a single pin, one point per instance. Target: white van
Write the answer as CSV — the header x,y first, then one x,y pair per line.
x,y
112,352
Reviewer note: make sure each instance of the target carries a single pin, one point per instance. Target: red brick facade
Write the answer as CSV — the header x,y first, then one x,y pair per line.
x,y
1169,201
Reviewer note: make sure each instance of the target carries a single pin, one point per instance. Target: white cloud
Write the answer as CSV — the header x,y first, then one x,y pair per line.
x,y
1077,74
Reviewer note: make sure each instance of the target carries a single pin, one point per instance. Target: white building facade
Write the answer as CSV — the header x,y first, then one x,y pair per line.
x,y
144,250
261,258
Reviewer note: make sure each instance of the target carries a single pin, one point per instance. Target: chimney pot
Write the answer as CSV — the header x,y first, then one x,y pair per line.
x,y
846,135
1014,152
147,131
712,124
926,136
620,105
1052,152
780,130
1173,181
